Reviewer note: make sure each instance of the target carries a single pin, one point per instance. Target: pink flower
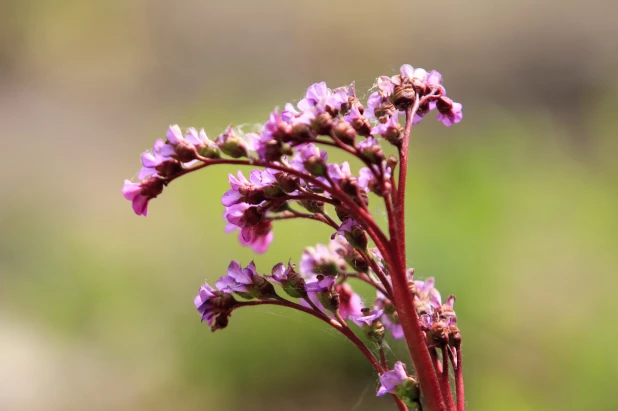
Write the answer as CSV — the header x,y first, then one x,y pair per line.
x,y
141,193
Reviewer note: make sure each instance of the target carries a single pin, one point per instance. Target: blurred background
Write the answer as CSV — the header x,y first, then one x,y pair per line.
x,y
515,210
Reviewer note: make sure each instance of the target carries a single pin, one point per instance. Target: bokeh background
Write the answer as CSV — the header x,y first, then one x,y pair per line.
x,y
515,210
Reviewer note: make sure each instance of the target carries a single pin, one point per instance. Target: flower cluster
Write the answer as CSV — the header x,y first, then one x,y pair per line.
x,y
292,178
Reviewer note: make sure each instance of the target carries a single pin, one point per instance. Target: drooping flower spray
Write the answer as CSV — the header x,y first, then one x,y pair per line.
x,y
293,179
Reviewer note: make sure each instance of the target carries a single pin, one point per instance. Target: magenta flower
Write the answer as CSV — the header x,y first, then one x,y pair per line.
x,y
248,191
237,278
141,193
366,319
339,173
152,160
255,229
427,295
390,380
449,112
350,303
321,259
309,158
385,129
211,303
203,303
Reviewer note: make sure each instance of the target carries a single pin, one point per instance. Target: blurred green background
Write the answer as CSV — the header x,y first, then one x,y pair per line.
x,y
515,210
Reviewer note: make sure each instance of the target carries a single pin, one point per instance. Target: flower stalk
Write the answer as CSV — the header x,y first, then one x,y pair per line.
x,y
292,169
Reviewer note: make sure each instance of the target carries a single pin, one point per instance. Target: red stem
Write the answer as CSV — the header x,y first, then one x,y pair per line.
x,y
403,298
459,382
445,384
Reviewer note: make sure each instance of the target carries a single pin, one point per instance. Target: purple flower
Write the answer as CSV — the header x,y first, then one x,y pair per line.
x,y
390,318
350,303
367,179
339,173
366,318
427,297
321,259
203,303
255,229
321,284
309,158
390,380
354,233
141,193
210,302
249,191
434,79
319,97
392,125
237,278
151,160
449,112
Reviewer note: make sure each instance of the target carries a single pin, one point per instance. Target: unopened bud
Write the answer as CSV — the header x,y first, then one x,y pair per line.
x,y
232,144
323,124
391,162
312,206
262,289
185,151
409,392
437,335
357,237
345,132
403,96
288,182
373,154
394,135
168,168
315,166
209,150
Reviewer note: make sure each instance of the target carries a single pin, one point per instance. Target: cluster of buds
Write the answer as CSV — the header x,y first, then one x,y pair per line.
x,y
293,179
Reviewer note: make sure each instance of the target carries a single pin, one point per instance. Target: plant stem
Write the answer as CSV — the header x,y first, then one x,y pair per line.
x,y
459,382
445,384
403,298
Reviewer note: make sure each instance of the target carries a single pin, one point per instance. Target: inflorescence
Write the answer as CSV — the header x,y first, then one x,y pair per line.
x,y
294,179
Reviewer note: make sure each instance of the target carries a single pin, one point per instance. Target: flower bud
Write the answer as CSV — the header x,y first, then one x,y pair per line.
x,y
345,132
409,392
151,187
357,237
437,335
394,135
342,213
444,105
386,109
373,154
323,124
329,300
209,150
262,289
312,206
232,144
221,322
294,286
403,96
301,132
168,168
288,182
454,336
185,151
391,162
361,126
315,166
375,331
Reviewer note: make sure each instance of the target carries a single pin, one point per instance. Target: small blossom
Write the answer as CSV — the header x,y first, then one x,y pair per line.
x,y
255,229
350,303
211,303
449,112
249,191
311,159
141,193
291,282
390,380
152,160
367,318
354,233
237,278
338,173
427,296
321,259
